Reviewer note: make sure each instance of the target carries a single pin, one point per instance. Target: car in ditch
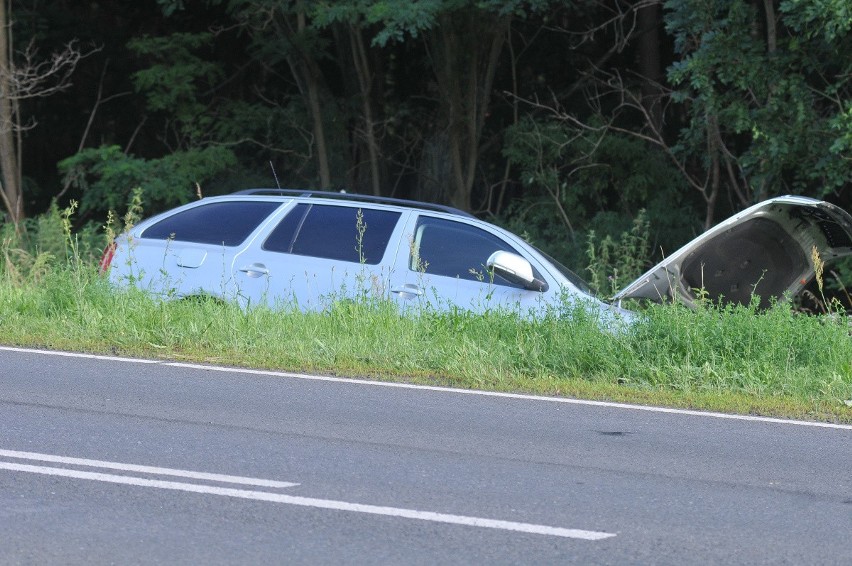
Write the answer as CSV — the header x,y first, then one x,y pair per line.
x,y
307,249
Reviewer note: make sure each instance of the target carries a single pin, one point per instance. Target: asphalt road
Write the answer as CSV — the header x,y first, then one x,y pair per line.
x,y
109,461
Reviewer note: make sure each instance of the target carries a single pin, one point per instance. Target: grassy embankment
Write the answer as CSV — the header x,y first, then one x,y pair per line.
x,y
735,359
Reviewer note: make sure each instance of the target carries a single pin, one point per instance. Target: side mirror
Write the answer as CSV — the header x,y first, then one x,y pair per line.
x,y
515,269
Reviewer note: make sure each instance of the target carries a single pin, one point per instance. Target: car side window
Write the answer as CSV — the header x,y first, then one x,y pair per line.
x,y
454,249
344,233
217,223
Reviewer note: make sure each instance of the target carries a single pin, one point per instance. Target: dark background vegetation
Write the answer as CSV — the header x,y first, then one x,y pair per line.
x,y
575,123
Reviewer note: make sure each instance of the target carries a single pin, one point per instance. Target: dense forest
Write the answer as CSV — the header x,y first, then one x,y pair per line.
x,y
569,121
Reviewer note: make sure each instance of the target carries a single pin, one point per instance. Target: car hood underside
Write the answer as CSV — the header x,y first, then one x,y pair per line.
x,y
765,250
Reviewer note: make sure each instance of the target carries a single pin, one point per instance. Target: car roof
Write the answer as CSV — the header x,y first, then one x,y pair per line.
x,y
354,197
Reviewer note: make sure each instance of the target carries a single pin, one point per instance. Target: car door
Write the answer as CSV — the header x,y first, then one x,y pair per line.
x,y
189,251
442,264
320,252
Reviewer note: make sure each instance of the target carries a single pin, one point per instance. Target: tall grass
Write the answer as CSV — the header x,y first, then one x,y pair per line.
x,y
740,348
778,361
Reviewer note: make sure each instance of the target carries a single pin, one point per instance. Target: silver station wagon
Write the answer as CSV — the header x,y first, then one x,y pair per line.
x,y
305,249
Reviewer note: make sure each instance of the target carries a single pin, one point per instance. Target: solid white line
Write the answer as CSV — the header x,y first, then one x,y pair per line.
x,y
144,469
565,400
353,381
311,502
80,355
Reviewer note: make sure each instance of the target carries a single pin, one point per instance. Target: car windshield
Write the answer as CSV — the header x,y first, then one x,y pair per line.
x,y
575,279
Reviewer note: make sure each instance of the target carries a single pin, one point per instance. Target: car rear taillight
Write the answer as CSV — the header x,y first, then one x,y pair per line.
x,y
106,258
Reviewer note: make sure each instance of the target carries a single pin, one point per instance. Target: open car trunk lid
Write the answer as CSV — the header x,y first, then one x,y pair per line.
x,y
764,250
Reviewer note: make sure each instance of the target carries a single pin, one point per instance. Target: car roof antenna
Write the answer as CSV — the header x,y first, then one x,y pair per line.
x,y
274,174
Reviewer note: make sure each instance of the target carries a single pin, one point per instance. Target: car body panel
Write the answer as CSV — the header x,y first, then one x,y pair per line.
x,y
306,282
764,250
416,287
177,269
413,286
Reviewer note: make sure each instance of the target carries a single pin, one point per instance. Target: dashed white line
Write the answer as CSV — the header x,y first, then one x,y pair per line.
x,y
144,469
353,381
312,502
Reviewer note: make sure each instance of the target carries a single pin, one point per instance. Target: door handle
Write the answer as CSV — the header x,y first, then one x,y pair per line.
x,y
255,270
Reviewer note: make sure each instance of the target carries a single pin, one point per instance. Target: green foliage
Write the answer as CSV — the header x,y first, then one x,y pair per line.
x,y
169,7
50,233
826,26
397,21
829,19
106,176
614,263
281,133
544,153
173,81
296,59
580,188
47,245
762,353
277,34
173,84
780,103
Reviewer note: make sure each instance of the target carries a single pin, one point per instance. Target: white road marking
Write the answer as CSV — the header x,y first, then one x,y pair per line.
x,y
311,502
144,469
353,381
565,400
80,355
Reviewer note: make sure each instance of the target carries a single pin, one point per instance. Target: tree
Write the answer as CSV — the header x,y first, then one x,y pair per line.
x,y
283,30
31,78
464,49
763,98
175,83
756,100
355,58
463,42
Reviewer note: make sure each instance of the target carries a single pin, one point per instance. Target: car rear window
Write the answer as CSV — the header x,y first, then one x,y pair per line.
x,y
218,223
344,233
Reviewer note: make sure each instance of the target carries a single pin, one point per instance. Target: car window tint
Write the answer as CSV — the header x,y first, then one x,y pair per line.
x,y
344,233
219,223
454,249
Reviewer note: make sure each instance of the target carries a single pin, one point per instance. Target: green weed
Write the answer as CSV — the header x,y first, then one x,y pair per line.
x,y
614,263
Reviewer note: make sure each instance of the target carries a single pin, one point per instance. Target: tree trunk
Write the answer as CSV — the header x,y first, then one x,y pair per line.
x,y
9,171
365,83
311,74
308,78
771,28
715,177
319,131
650,65
467,48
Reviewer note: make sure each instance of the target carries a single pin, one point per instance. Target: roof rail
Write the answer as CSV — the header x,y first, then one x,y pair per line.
x,y
355,197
